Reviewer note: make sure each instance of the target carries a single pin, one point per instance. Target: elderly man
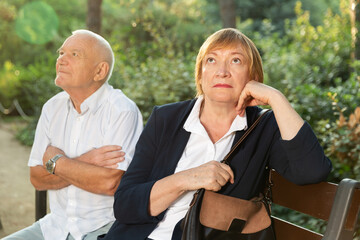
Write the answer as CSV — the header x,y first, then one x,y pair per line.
x,y
76,154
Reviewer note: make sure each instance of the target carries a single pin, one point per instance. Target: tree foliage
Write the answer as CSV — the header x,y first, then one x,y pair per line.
x,y
155,44
308,60
306,49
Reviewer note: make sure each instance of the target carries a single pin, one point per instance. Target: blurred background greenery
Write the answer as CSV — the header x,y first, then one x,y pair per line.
x,y
310,52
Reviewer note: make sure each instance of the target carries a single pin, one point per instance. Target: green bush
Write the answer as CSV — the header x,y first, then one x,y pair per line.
x,y
36,87
9,83
26,134
308,61
155,81
341,140
141,24
308,65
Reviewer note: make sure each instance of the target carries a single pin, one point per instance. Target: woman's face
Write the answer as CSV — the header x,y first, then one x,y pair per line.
x,y
224,74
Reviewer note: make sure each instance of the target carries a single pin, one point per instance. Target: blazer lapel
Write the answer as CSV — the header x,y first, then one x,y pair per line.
x,y
179,139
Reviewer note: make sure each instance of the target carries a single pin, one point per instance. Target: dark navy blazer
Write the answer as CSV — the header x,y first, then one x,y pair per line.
x,y
300,160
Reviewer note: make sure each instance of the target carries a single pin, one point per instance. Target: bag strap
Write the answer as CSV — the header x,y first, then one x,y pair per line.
x,y
225,160
260,115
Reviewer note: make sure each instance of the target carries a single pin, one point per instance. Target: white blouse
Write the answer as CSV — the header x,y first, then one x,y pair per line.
x,y
199,150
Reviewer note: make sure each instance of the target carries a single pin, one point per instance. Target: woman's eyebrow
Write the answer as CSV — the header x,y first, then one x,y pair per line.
x,y
213,53
237,53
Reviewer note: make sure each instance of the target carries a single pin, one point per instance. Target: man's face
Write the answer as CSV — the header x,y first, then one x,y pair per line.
x,y
76,65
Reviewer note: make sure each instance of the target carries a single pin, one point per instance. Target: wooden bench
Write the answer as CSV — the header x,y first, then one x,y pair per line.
x,y
40,204
337,204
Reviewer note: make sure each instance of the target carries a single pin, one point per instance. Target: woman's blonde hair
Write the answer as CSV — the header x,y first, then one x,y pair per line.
x,y
226,38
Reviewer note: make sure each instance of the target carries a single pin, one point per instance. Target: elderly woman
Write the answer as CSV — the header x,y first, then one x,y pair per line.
x,y
183,143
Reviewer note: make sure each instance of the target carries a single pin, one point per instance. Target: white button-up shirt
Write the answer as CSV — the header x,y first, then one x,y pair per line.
x,y
107,117
199,150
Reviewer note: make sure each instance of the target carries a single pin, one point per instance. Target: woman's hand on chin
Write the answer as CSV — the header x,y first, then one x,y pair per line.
x,y
253,94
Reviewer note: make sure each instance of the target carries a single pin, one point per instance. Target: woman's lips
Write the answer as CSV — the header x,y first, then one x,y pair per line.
x,y
222,85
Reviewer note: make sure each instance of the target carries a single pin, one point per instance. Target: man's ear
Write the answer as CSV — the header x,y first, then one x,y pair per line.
x,y
101,71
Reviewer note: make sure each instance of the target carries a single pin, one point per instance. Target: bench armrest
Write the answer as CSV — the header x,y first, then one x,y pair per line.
x,y
336,228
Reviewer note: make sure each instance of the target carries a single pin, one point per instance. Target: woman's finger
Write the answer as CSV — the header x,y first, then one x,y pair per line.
x,y
226,174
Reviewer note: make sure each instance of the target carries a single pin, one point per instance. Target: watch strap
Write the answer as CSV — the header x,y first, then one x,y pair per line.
x,y
53,160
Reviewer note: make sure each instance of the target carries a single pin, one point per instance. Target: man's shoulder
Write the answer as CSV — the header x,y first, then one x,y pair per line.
x,y
57,100
119,101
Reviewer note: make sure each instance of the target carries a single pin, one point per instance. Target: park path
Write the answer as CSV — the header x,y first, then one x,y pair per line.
x,y
17,195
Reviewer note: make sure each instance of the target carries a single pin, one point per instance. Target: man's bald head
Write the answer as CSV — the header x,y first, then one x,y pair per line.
x,y
101,48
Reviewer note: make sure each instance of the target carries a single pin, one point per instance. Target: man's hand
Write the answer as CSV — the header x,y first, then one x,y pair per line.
x,y
51,152
107,156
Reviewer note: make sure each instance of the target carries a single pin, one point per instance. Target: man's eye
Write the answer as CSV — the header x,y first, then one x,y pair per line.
x,y
61,53
75,54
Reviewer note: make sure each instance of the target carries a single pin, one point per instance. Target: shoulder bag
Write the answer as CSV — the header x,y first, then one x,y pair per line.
x,y
214,216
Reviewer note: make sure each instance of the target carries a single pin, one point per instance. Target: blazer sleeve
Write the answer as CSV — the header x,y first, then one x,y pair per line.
x,y
133,194
301,159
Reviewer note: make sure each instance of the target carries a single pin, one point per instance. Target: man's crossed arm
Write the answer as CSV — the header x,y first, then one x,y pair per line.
x,y
94,171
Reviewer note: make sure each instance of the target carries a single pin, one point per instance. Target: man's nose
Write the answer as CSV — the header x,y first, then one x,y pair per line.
x,y
61,59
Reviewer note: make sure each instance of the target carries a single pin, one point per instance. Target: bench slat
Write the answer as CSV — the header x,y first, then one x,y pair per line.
x,y
337,204
315,200
285,230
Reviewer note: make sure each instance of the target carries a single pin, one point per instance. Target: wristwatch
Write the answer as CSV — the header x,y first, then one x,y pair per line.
x,y
50,165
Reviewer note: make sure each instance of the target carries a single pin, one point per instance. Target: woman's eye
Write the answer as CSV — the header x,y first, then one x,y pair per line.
x,y
236,60
210,60
61,53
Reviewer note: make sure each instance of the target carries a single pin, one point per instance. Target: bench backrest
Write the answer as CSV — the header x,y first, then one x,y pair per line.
x,y
337,204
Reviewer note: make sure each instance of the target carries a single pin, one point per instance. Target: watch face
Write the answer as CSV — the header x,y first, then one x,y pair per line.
x,y
50,166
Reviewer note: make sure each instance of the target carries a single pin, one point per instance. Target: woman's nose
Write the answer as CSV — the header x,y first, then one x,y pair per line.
x,y
223,70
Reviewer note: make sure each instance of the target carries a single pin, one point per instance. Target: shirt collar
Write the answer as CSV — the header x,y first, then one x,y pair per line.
x,y
94,101
193,124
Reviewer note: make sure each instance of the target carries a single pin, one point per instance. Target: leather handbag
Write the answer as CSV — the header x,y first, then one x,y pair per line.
x,y
214,216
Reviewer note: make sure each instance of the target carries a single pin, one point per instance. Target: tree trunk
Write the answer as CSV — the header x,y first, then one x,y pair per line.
x,y
93,20
357,26
228,13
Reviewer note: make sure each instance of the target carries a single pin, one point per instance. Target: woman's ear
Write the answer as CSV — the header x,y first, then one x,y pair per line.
x,y
101,71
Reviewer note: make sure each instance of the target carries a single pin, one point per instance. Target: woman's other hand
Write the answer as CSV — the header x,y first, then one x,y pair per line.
x,y
211,176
